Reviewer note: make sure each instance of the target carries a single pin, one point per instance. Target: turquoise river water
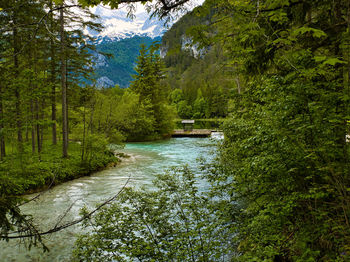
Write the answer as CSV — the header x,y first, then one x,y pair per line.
x,y
146,160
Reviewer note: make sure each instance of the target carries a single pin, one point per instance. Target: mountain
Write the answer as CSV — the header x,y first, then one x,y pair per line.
x,y
118,26
122,37
119,68
196,71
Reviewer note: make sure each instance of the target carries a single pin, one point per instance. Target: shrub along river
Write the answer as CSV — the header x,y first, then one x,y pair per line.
x,y
146,160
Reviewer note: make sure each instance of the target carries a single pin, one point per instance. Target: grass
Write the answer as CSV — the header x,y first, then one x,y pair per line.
x,y
27,172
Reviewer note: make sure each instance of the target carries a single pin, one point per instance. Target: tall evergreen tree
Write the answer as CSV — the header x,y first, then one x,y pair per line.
x,y
147,84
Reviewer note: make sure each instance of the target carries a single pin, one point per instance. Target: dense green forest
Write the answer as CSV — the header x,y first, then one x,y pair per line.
x,y
279,71
198,73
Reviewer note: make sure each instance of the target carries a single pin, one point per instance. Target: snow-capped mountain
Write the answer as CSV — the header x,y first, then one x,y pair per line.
x,y
122,37
118,26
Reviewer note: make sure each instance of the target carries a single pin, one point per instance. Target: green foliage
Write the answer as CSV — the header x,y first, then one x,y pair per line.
x,y
199,106
152,93
281,181
38,40
280,188
184,110
194,68
135,119
28,104
286,200
32,175
285,163
173,222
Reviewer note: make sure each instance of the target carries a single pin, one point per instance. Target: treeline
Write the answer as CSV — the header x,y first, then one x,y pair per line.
x,y
43,55
138,113
46,61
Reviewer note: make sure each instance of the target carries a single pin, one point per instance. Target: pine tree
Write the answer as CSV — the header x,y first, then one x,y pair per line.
x,y
147,84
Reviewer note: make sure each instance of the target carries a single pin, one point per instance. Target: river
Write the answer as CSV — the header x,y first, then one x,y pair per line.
x,y
146,160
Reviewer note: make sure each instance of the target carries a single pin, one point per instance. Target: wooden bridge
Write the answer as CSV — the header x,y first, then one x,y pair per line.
x,y
192,133
188,130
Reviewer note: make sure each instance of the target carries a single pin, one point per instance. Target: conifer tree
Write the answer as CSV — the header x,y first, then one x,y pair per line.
x,y
149,72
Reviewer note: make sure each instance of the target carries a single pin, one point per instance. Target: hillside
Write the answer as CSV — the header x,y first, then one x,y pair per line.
x,y
196,70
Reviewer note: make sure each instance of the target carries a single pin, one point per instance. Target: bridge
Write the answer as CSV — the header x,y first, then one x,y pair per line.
x,y
192,133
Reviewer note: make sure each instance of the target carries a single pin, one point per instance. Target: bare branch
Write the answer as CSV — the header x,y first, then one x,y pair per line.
x,y
38,195
69,224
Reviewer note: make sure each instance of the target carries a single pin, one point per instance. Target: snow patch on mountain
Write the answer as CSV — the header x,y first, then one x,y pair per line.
x,y
118,26
104,82
100,60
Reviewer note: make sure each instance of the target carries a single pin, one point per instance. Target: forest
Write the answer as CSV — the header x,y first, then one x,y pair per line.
x,y
277,71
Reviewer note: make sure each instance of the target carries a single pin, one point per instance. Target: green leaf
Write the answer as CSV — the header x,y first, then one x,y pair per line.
x,y
317,33
333,61
320,58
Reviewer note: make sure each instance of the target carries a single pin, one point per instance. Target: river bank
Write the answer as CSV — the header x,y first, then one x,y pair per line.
x,y
147,159
33,173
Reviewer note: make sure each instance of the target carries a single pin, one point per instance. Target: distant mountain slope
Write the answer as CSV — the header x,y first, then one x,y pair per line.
x,y
177,46
119,68
196,71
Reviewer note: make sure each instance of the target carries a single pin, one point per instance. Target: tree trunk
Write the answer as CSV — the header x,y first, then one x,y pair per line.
x,y
33,127
38,137
27,132
53,81
92,118
338,52
64,87
17,91
67,101
42,118
84,134
2,137
238,83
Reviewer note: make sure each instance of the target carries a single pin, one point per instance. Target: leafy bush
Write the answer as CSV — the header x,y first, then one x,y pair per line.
x,y
175,221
